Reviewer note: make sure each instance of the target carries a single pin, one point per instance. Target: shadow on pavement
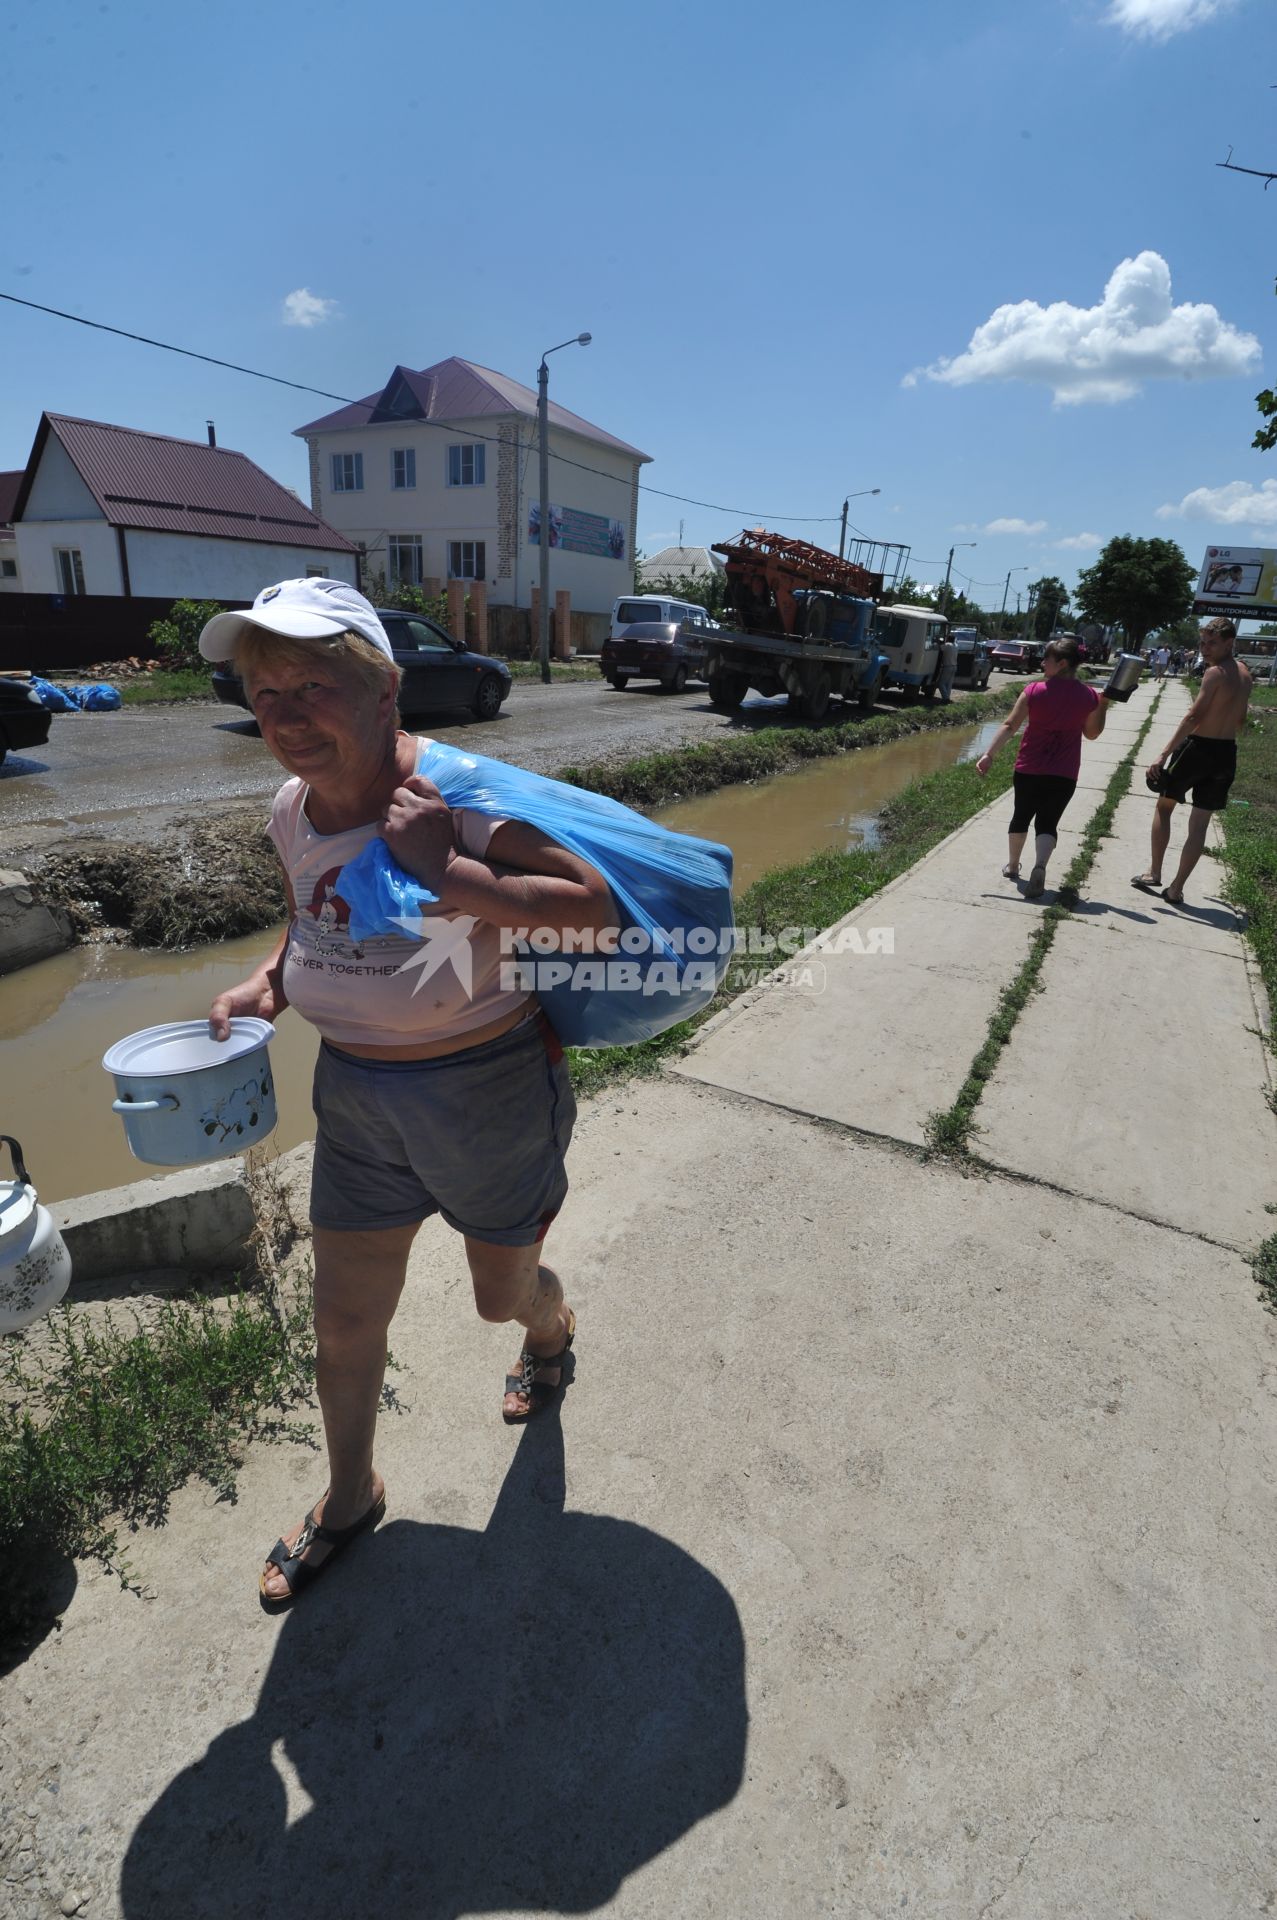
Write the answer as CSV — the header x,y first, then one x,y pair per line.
x,y
517,1718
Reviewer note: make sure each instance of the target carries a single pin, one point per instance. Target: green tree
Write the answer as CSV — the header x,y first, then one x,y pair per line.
x,y
1137,585
1050,595
708,590
1266,438
177,638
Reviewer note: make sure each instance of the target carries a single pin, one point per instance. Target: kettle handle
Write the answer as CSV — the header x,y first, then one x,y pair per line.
x,y
15,1152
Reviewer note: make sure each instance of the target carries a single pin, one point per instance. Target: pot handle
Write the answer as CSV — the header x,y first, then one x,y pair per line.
x,y
16,1154
144,1106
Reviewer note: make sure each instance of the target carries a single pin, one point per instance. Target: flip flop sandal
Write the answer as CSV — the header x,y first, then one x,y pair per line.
x,y
300,1573
1035,883
1010,873
1145,885
1172,899
540,1393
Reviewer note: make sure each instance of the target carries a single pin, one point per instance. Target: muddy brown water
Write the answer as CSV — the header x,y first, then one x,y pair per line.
x,y
58,1018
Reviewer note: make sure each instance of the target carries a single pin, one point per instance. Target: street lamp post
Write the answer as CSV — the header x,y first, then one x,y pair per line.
x,y
863,494
543,431
948,569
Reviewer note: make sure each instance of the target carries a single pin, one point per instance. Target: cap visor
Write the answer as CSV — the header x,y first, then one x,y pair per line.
x,y
218,638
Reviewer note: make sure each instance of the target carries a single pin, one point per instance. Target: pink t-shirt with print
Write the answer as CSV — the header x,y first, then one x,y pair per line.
x,y
1058,710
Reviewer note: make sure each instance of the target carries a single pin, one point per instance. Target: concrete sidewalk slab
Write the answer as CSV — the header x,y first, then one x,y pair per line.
x,y
887,1038
1207,922
1119,1104
904,1546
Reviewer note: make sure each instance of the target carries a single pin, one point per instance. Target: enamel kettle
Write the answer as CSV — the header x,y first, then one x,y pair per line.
x,y
35,1267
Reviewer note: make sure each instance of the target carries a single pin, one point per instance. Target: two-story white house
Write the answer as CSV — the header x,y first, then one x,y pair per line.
x,y
436,478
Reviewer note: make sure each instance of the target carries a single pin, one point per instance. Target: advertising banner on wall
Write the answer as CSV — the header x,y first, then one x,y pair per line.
x,y
578,532
1238,581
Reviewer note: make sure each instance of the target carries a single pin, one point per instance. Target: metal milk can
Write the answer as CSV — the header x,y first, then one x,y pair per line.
x,y
1124,678
35,1267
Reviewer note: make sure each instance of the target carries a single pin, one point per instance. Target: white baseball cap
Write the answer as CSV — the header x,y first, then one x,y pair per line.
x,y
304,610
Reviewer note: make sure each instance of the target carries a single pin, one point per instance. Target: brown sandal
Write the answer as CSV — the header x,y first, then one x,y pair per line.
x,y
540,1393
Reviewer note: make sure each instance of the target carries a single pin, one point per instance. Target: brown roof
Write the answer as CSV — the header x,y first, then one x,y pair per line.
x,y
9,484
456,390
147,480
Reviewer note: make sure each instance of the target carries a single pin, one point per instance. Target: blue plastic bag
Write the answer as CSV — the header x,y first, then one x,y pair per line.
x,y
673,895
56,699
100,698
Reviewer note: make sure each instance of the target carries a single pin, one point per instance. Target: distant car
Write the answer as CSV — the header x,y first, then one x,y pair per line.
x,y
1016,656
24,722
975,663
636,609
672,652
438,671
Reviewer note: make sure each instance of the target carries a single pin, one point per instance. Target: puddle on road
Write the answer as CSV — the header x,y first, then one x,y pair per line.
x,y
58,1018
778,822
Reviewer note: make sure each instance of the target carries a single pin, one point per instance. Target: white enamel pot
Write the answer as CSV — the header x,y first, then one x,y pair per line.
x,y
35,1267
185,1097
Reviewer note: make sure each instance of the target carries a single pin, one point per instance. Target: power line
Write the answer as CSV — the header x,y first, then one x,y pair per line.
x,y
489,439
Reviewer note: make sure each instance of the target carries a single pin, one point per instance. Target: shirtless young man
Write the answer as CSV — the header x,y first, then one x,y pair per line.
x,y
1209,760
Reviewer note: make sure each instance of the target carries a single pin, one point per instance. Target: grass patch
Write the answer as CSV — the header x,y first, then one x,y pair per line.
x,y
1264,1266
153,689
100,1423
559,670
1250,837
813,895
949,1132
657,778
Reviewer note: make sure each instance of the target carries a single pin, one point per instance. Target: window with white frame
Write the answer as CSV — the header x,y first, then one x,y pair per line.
x,y
465,464
403,468
316,573
70,569
9,569
466,560
348,473
405,559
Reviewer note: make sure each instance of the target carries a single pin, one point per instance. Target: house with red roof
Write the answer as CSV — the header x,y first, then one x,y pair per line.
x,y
436,478
113,511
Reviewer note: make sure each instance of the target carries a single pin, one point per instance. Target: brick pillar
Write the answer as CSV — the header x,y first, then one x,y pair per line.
x,y
432,586
479,610
563,624
457,609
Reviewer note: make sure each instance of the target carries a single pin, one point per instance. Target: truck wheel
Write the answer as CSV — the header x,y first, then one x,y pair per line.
x,y
618,680
815,696
867,697
929,693
727,690
677,680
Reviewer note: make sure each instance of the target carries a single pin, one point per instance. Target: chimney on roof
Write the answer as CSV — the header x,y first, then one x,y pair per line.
x,y
212,433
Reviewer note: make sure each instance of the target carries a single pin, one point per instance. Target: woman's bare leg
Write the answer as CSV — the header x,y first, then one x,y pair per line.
x,y
511,1284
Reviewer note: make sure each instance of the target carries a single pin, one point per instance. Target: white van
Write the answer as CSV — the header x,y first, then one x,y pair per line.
x,y
634,608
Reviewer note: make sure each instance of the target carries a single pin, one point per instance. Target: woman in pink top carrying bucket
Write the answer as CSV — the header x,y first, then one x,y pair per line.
x,y
1060,710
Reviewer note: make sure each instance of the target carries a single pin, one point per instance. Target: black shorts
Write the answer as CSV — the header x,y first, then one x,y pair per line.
x,y
1040,798
1207,767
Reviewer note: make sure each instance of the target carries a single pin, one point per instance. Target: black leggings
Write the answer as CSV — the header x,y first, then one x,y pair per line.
x,y
1042,794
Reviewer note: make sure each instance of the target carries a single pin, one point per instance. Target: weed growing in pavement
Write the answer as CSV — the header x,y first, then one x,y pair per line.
x,y
1264,1266
949,1133
1250,837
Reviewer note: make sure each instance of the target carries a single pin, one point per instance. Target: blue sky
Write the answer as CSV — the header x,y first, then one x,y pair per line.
x,y
790,233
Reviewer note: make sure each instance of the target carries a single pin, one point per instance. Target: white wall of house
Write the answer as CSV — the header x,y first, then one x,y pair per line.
x,y
57,492
495,512
93,540
192,568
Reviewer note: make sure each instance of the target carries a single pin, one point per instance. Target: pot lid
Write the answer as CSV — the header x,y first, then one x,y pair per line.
x,y
184,1046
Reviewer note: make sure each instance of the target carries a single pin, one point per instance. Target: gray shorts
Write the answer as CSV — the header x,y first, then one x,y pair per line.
x,y
477,1136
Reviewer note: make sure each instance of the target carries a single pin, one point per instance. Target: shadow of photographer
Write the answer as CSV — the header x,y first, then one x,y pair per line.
x,y
466,1722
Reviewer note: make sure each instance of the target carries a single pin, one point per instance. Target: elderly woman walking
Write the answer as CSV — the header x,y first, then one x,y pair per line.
x,y
452,1100
1060,710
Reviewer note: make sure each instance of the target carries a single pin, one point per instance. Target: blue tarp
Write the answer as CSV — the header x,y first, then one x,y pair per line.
x,y
98,698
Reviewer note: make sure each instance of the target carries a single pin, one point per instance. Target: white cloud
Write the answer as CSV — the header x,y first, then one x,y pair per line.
x,y
1016,526
1239,504
1105,352
1160,19
302,308
1078,542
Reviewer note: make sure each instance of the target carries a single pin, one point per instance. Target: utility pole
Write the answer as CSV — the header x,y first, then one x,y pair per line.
x,y
862,495
949,567
543,433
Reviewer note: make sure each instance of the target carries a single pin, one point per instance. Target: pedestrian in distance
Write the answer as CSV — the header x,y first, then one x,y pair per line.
x,y
1199,758
454,1101
1060,710
949,667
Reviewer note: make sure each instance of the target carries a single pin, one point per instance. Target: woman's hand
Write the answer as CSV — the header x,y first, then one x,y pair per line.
x,y
983,764
418,830
258,998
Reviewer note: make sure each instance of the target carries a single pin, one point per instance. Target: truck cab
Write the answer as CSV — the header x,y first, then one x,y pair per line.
x,y
911,638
